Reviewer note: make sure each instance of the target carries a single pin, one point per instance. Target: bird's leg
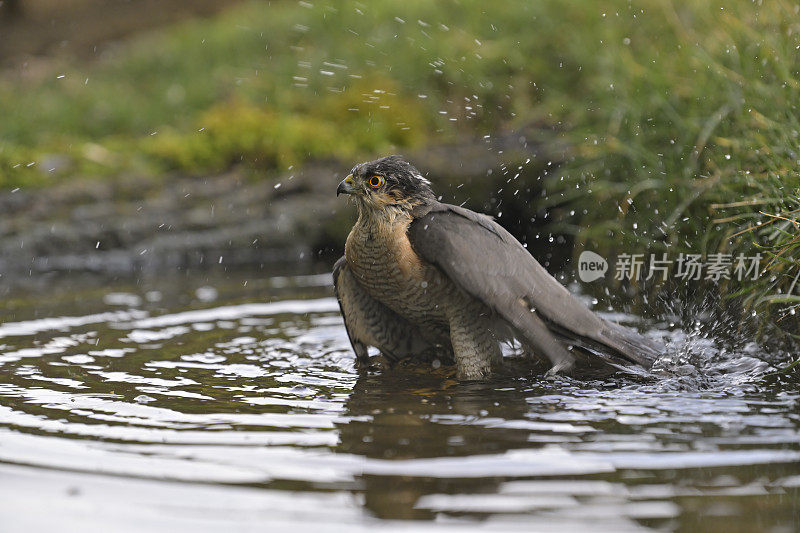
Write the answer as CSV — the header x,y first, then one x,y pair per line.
x,y
475,348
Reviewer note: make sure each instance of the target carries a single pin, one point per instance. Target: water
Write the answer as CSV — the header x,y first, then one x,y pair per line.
x,y
193,403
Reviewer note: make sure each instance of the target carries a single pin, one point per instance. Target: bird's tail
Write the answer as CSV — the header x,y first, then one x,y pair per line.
x,y
616,345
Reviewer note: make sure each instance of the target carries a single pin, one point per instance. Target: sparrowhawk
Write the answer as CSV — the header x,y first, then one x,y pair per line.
x,y
420,278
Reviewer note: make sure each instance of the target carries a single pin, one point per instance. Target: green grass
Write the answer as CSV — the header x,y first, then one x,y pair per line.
x,y
698,149
681,117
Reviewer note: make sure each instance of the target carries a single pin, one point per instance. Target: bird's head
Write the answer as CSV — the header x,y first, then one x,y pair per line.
x,y
387,184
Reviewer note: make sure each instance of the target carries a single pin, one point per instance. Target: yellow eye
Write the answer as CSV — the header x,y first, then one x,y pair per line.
x,y
376,181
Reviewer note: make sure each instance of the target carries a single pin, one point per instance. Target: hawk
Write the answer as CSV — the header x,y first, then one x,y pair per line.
x,y
424,279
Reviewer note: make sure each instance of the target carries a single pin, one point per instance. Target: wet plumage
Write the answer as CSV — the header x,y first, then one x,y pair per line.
x,y
420,278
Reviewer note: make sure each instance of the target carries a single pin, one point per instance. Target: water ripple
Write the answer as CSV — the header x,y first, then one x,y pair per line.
x,y
239,405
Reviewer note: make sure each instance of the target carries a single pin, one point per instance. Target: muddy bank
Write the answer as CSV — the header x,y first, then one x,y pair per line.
x,y
136,224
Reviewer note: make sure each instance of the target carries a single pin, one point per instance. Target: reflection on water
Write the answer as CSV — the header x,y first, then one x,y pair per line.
x,y
192,403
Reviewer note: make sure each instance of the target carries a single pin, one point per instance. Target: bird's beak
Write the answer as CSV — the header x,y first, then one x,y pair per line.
x,y
346,186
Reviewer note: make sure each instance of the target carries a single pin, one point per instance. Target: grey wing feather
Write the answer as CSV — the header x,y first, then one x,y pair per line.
x,y
339,287
490,264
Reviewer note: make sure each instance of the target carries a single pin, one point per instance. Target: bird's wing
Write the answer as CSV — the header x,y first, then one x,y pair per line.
x,y
487,262
370,323
342,289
